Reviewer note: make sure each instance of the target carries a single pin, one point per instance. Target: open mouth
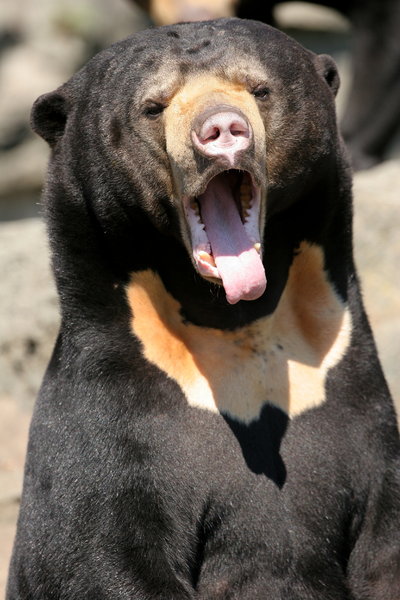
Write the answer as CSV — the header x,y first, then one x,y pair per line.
x,y
224,223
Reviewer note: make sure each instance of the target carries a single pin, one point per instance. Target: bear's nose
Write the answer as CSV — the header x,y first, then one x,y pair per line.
x,y
221,133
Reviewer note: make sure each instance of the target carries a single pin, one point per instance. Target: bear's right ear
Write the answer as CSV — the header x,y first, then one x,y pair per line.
x,y
49,116
327,68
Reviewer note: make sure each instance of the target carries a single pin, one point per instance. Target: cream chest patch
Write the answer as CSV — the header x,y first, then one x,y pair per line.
x,y
282,359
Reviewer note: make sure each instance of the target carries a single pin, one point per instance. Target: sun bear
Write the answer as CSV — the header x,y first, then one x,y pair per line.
x,y
214,422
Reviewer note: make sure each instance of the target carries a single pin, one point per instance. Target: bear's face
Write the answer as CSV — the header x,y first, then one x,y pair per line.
x,y
202,121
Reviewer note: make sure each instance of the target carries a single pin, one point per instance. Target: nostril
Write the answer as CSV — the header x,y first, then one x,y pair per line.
x,y
239,129
234,130
239,132
213,135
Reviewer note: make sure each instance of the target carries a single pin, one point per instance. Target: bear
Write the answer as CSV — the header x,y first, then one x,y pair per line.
x,y
371,119
214,421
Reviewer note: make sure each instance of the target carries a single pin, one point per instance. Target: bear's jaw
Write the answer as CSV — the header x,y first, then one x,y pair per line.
x,y
225,227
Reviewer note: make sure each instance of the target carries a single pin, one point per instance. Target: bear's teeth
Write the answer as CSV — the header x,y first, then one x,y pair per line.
x,y
195,207
257,246
245,198
245,193
208,258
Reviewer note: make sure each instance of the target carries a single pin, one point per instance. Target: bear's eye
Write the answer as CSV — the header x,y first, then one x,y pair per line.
x,y
261,92
153,110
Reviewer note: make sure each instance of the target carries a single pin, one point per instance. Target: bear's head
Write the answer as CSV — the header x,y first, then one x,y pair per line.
x,y
200,131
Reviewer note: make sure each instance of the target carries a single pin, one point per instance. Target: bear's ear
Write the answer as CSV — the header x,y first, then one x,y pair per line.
x,y
49,116
327,68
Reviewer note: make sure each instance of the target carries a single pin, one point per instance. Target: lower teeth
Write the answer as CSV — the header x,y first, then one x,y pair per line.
x,y
207,258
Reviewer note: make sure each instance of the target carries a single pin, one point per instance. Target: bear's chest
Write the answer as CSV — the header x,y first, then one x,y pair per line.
x,y
280,360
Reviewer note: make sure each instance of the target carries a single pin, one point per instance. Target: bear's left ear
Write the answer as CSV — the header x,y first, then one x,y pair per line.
x,y
49,116
327,68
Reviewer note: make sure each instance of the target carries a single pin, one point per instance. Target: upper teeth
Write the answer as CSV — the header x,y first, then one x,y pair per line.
x,y
195,206
245,196
245,192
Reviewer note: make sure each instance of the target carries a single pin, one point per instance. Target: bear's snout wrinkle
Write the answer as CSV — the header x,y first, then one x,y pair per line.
x,y
213,123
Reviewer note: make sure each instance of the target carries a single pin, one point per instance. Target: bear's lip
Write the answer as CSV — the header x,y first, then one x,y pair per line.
x,y
225,224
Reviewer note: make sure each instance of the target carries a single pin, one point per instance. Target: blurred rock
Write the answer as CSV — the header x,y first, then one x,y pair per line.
x,y
41,45
13,436
377,250
304,15
28,306
22,169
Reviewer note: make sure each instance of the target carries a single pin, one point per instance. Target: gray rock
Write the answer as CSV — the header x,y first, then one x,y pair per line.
x,y
28,306
52,40
377,251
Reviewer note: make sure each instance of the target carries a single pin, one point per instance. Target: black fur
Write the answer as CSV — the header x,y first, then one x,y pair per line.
x,y
130,492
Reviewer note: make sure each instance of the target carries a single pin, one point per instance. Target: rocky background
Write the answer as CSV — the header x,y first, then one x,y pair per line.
x,y
41,45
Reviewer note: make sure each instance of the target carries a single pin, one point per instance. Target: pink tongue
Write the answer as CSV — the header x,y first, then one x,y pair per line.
x,y
238,262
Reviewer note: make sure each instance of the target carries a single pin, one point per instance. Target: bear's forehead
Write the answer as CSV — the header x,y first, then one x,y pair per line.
x,y
168,79
189,46
231,46
154,64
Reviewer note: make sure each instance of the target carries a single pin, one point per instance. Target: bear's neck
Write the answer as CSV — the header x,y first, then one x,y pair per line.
x,y
322,221
96,259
